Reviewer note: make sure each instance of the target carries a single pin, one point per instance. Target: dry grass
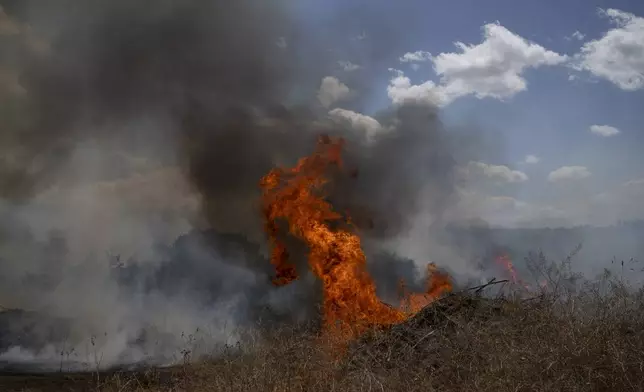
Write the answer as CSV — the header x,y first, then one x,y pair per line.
x,y
568,337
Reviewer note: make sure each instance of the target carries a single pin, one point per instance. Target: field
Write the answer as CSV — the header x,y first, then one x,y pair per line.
x,y
570,335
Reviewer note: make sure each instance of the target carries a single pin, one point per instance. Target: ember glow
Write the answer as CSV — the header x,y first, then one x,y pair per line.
x,y
350,304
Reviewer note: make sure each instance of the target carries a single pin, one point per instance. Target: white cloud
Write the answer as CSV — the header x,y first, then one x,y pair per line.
x,y
418,56
531,159
618,56
499,172
576,35
565,173
492,69
332,90
348,66
604,130
358,121
401,90
361,37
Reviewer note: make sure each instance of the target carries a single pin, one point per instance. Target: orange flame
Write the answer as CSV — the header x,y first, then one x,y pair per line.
x,y
437,283
350,304
506,262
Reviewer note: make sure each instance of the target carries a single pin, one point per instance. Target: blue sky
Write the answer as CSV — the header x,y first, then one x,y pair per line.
x,y
581,177
533,79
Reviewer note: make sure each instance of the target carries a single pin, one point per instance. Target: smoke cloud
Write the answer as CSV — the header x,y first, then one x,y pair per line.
x,y
135,122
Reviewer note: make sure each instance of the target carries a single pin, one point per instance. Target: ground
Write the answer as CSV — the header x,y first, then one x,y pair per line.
x,y
556,340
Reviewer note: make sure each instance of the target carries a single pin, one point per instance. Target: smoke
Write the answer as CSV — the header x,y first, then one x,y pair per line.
x,y
138,121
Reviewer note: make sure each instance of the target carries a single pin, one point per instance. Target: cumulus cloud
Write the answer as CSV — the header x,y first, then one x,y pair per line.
x,y
498,172
531,159
401,90
492,68
348,66
358,121
415,57
618,56
566,173
576,35
604,130
332,90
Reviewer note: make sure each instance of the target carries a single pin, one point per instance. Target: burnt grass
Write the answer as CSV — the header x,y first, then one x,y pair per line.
x,y
584,337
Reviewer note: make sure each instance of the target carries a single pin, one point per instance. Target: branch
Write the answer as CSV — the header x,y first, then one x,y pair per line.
x,y
492,282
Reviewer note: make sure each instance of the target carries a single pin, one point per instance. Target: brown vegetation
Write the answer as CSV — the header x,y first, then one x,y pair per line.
x,y
567,337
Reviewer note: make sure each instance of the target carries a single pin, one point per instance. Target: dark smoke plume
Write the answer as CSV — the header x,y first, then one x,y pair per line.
x,y
206,96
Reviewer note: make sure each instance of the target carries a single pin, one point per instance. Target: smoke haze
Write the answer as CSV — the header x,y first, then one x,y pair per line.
x,y
135,137
137,122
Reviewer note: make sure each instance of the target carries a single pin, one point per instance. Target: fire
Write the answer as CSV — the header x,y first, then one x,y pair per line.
x,y
506,262
437,283
350,303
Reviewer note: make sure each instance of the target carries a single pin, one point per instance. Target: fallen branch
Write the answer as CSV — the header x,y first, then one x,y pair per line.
x,y
492,282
